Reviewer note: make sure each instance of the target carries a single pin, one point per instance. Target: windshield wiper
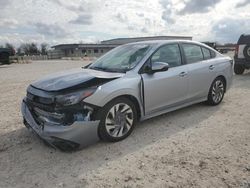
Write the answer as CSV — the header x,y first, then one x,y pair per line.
x,y
98,68
117,70
108,70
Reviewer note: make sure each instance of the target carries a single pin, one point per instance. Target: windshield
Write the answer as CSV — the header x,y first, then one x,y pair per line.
x,y
121,59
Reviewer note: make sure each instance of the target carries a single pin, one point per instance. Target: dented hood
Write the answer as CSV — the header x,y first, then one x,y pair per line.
x,y
75,78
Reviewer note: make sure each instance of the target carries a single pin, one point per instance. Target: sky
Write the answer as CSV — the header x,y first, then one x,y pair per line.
x,y
90,21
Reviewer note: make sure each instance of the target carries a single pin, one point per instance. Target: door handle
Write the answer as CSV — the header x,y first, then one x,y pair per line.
x,y
211,67
183,74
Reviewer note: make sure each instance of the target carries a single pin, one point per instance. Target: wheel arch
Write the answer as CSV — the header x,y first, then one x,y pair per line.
x,y
132,99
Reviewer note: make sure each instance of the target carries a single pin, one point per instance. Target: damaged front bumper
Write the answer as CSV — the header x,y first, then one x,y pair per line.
x,y
78,135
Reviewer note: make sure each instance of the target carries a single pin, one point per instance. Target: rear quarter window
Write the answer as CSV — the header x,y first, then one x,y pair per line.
x,y
213,54
206,53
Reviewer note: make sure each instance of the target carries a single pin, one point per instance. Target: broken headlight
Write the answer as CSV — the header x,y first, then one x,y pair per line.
x,y
74,98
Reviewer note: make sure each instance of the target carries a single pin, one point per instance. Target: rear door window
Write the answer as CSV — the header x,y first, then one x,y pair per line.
x,y
192,53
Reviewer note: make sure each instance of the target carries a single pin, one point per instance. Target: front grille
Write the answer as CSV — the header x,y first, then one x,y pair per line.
x,y
43,103
54,118
45,107
42,115
45,110
39,99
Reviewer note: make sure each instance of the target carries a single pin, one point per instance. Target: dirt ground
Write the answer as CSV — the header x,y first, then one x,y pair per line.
x,y
198,146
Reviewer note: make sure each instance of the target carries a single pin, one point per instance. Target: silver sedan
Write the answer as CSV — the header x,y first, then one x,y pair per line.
x,y
131,83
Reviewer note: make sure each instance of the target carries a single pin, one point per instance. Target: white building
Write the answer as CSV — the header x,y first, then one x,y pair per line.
x,y
96,50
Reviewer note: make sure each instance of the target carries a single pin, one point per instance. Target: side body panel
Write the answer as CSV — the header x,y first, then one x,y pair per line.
x,y
164,89
224,67
201,75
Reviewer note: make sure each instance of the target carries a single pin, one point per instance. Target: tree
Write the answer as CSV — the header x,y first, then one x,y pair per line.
x,y
44,49
33,49
23,49
29,49
19,51
11,47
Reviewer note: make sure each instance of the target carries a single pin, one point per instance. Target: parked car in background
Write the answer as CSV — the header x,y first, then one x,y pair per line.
x,y
223,51
131,83
242,54
5,53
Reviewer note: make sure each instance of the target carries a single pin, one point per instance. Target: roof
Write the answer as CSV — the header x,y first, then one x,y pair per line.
x,y
244,39
137,39
163,41
70,46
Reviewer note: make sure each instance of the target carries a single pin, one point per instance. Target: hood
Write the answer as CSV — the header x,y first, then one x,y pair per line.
x,y
74,79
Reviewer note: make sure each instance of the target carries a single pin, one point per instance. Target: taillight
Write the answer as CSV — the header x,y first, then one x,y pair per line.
x,y
236,50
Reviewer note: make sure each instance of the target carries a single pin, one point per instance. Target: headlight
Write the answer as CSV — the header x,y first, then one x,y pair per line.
x,y
74,98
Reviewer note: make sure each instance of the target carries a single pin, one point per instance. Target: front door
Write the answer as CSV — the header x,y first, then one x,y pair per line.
x,y
165,89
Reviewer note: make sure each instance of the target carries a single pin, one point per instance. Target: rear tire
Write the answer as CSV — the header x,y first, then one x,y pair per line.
x,y
216,92
239,69
117,119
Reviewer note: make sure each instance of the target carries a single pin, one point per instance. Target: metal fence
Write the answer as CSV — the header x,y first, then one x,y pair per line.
x,y
27,59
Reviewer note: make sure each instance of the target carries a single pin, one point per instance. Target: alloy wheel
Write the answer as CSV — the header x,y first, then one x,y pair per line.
x,y
119,120
218,91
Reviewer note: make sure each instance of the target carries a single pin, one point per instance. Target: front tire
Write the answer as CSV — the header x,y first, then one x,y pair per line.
x,y
216,92
117,120
239,69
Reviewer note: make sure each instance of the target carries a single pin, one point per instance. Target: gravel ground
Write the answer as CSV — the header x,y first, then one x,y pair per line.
x,y
198,146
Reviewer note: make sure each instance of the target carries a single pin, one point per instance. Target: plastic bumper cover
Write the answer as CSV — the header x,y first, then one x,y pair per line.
x,y
78,135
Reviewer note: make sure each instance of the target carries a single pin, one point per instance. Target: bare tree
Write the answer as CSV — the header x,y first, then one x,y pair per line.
x,y
29,49
33,49
23,49
44,49
11,47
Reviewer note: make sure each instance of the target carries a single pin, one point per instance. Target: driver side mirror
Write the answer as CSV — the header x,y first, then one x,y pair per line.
x,y
159,67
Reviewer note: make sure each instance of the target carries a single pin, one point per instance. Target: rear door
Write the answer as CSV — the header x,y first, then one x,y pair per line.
x,y
201,68
168,88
